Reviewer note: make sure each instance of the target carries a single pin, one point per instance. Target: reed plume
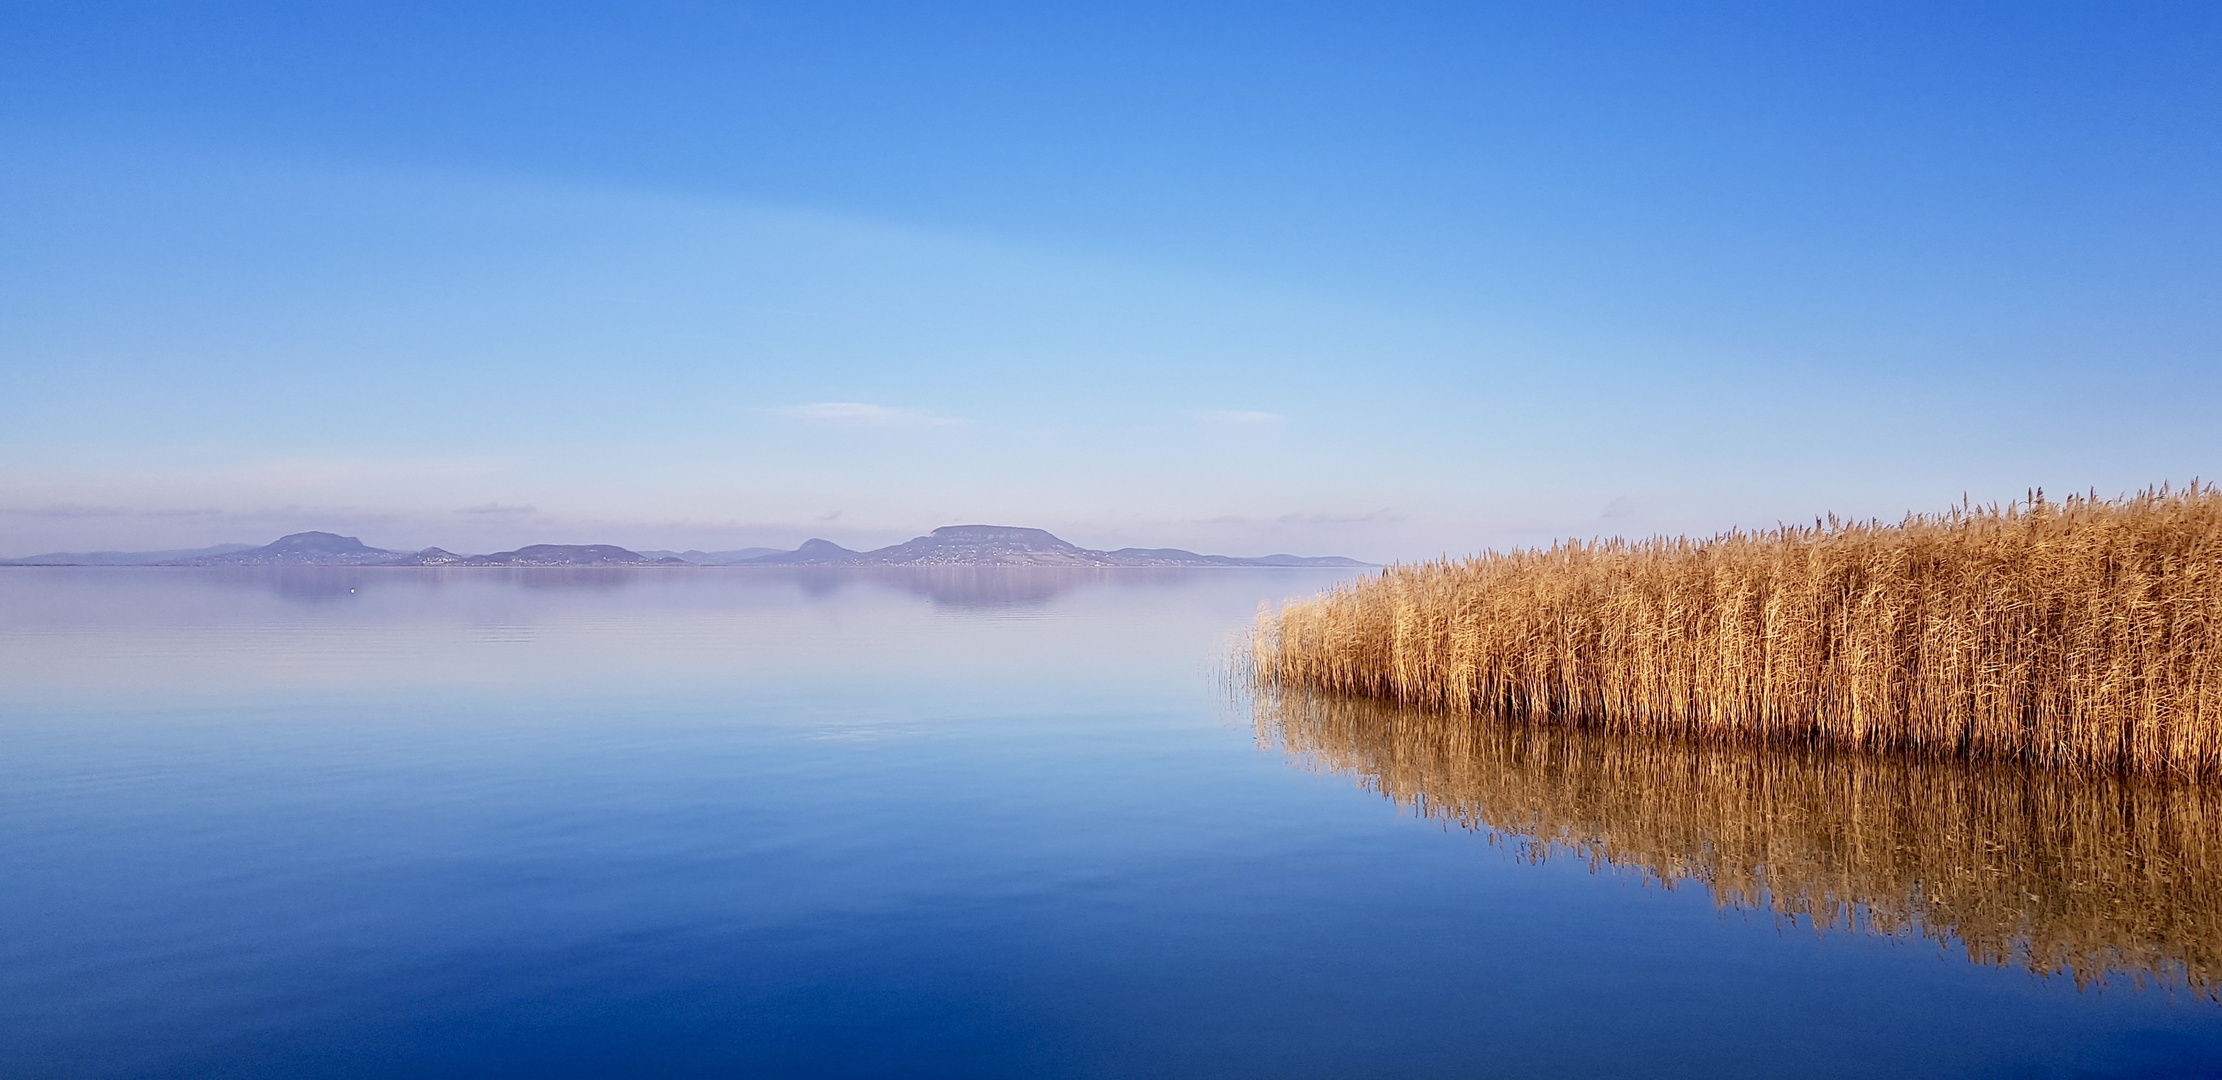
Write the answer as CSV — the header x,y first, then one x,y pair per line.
x,y
2084,634
2088,877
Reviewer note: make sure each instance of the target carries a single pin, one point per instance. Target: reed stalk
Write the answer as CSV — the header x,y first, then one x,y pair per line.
x,y
2082,634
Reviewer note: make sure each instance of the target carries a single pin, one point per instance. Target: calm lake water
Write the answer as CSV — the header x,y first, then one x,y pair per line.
x,y
766,823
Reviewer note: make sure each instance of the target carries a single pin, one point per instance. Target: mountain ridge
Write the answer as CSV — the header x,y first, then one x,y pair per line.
x,y
950,545
122,558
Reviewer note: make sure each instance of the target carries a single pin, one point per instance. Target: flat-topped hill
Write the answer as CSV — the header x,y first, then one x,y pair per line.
x,y
1004,545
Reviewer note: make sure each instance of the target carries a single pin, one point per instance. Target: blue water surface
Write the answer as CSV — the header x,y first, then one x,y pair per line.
x,y
712,822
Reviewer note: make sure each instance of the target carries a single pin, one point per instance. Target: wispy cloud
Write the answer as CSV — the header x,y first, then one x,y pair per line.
x,y
497,508
1240,417
859,414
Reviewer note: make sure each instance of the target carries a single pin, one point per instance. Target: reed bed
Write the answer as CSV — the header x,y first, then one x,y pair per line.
x,y
2084,634
2088,877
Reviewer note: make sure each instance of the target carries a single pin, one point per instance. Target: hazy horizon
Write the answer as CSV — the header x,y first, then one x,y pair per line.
x,y
248,545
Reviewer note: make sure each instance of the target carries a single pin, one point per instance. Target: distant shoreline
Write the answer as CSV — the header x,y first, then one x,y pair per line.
x,y
16,564
951,546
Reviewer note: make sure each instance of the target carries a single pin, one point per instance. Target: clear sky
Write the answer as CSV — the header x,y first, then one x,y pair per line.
x,y
1386,280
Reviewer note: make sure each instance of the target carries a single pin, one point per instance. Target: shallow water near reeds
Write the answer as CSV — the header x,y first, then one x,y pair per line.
x,y
746,822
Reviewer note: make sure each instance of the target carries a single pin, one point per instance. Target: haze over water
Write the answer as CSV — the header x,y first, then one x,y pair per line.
x,y
960,823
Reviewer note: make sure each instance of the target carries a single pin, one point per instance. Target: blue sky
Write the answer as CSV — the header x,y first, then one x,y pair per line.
x,y
1383,280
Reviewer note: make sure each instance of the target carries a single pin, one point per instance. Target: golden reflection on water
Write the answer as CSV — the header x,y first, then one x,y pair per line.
x,y
2079,876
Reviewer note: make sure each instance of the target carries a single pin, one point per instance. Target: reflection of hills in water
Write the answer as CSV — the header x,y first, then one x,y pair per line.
x,y
2088,876
986,587
992,588
315,585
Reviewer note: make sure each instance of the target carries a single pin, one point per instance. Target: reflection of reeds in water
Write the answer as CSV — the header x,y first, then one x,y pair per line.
x,y
2085,634
2085,876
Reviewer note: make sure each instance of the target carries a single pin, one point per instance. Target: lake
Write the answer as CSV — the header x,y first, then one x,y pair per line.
x,y
990,823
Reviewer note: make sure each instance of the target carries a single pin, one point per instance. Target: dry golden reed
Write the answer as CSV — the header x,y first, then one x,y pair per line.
x,y
2087,877
2083,633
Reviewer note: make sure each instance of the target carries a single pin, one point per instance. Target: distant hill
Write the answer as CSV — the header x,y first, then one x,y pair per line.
x,y
985,545
301,549
1002,545
811,553
952,545
329,549
714,558
566,555
122,558
1177,557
